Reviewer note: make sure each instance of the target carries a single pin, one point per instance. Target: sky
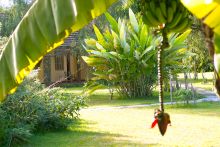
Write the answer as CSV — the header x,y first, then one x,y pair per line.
x,y
5,3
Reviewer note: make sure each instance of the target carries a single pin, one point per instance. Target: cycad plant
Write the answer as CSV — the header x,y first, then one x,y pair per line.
x,y
124,56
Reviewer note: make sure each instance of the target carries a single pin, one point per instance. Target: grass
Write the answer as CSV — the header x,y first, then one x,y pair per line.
x,y
101,98
192,125
195,126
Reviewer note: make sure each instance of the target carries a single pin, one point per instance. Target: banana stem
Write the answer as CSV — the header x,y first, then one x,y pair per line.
x,y
164,44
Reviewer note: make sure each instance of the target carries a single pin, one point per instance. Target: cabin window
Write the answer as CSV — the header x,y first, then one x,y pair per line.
x,y
59,63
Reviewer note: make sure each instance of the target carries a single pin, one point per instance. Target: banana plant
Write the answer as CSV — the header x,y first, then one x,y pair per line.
x,y
165,16
209,12
43,28
123,55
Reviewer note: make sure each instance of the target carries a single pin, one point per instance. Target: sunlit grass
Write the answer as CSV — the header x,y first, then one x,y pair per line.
x,y
192,125
101,98
195,126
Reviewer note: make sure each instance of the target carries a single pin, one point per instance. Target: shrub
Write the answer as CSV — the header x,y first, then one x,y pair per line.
x,y
123,56
185,95
33,108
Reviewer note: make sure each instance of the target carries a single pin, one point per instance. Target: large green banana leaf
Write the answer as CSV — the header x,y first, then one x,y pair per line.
x,y
209,11
44,27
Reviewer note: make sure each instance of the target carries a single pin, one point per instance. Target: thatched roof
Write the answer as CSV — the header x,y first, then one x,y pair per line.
x,y
71,40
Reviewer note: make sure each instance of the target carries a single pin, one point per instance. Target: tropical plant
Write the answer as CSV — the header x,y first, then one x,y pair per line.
x,y
122,56
123,69
33,38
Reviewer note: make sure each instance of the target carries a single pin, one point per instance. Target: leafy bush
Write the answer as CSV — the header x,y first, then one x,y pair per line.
x,y
34,108
123,56
185,95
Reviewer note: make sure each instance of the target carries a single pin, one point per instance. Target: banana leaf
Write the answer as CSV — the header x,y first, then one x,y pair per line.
x,y
43,28
209,12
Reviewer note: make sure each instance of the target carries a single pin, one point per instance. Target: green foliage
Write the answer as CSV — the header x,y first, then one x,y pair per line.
x,y
10,17
32,108
196,43
3,41
177,51
185,95
17,136
123,56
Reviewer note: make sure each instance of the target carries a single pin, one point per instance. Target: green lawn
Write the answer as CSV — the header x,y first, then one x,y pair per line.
x,y
101,98
195,126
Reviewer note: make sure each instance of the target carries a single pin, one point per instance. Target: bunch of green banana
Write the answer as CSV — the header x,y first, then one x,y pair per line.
x,y
165,14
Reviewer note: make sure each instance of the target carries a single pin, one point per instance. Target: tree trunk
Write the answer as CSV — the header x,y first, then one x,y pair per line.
x,y
161,48
209,35
177,83
111,91
185,80
203,77
195,72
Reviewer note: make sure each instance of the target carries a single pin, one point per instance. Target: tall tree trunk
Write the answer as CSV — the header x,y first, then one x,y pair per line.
x,y
185,80
195,72
164,44
203,77
209,35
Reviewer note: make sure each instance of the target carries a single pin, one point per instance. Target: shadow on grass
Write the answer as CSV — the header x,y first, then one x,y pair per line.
x,y
81,134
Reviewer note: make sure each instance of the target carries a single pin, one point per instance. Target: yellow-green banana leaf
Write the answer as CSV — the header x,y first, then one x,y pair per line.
x,y
43,28
209,11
